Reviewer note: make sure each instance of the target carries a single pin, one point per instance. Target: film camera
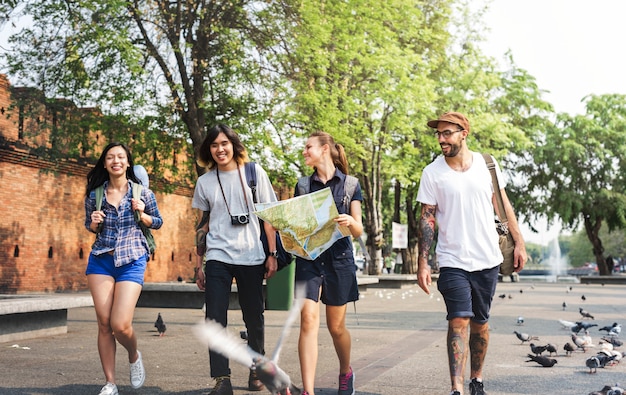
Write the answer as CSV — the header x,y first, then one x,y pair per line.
x,y
240,219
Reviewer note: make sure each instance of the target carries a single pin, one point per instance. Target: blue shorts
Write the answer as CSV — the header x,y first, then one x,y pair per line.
x,y
468,294
103,264
338,281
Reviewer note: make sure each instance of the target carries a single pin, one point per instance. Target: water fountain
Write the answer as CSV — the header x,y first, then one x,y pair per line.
x,y
557,264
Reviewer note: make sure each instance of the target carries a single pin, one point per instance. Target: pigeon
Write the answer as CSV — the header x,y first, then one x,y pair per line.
x,y
502,296
580,325
541,360
592,363
567,324
524,337
551,348
585,313
569,349
598,361
583,298
609,390
564,305
243,335
613,340
581,342
220,340
609,357
160,325
606,346
616,330
537,350
608,328
520,320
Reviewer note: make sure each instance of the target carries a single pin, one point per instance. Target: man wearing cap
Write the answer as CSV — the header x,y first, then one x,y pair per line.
x,y
456,192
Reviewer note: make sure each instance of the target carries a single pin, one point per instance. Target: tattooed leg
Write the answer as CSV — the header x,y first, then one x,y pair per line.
x,y
457,351
478,342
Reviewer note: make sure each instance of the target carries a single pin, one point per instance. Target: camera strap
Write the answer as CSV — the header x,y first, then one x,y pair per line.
x,y
245,197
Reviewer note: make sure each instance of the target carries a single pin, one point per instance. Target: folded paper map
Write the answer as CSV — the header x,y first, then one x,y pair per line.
x,y
305,223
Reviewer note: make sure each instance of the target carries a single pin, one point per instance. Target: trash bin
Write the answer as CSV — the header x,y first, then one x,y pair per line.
x,y
397,269
280,289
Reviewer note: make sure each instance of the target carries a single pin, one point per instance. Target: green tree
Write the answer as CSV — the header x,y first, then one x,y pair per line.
x,y
576,172
363,75
171,67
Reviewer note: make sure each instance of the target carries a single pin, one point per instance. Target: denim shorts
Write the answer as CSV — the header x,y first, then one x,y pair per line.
x,y
103,264
468,294
337,281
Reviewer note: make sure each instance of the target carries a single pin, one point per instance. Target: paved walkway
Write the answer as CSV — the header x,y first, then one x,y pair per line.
x,y
398,347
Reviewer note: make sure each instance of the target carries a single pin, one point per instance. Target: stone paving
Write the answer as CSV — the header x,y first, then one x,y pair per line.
x,y
398,338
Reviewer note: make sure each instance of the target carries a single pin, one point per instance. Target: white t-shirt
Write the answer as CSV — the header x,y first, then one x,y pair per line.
x,y
467,237
228,243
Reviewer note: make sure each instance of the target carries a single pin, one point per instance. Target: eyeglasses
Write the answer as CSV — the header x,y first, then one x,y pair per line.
x,y
446,133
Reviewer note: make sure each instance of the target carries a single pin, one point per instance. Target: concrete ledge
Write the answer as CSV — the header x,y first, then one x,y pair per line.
x,y
615,279
188,296
29,316
396,280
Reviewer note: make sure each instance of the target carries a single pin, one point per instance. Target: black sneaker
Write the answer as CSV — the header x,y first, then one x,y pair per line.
x,y
476,387
222,386
455,393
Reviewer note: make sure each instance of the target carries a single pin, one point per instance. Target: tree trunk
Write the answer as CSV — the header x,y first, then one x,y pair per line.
x,y
371,189
592,230
412,213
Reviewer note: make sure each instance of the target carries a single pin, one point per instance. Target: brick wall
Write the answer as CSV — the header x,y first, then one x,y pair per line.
x,y
44,245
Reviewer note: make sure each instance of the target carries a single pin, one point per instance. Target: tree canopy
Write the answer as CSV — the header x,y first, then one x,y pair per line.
x,y
370,73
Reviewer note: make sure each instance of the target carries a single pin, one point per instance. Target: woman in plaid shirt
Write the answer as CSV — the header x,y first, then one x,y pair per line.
x,y
118,258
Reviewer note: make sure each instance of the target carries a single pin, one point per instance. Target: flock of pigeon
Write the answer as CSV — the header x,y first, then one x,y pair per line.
x,y
606,354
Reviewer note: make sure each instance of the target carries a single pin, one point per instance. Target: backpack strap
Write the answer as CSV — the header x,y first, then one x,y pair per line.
x,y
250,168
99,197
137,190
349,187
304,185
496,186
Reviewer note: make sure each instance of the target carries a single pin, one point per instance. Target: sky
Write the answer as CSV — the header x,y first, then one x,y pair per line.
x,y
572,47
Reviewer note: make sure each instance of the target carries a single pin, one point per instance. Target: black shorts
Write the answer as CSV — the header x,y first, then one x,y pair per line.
x,y
468,294
336,279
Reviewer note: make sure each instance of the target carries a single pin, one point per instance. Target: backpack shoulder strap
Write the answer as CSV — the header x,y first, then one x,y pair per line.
x,y
137,190
349,187
250,168
304,185
99,196
496,186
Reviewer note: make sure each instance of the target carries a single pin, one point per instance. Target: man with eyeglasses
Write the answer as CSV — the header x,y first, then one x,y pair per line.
x,y
456,193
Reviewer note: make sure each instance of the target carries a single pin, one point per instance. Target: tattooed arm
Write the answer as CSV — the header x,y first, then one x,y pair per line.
x,y
425,237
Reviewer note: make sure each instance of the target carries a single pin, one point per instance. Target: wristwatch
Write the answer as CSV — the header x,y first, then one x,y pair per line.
x,y
274,254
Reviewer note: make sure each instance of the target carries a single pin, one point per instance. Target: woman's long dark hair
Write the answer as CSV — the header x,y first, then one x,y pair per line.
x,y
240,155
98,175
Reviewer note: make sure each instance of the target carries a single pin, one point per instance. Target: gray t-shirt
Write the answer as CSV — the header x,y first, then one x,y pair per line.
x,y
228,243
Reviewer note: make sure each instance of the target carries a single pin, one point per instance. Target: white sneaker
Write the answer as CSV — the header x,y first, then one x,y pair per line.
x,y
109,389
137,373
